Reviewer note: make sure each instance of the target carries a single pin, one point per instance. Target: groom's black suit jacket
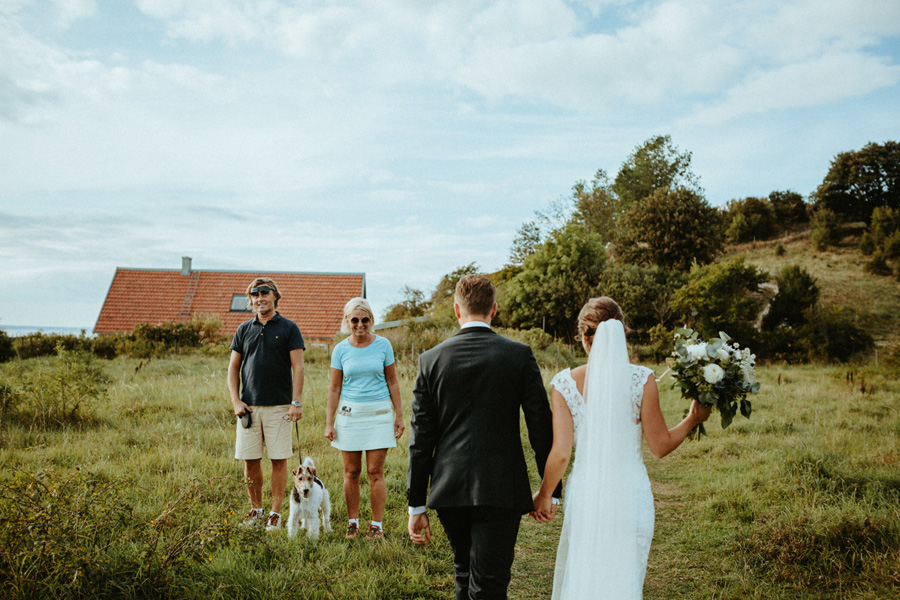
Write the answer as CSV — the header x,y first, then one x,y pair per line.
x,y
465,434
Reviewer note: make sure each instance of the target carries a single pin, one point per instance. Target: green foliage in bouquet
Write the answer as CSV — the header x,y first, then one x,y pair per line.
x,y
715,373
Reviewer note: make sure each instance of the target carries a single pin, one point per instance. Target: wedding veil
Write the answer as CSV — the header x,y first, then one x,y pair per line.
x,y
603,559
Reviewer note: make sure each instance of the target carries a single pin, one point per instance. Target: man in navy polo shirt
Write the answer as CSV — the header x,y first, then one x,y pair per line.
x,y
267,358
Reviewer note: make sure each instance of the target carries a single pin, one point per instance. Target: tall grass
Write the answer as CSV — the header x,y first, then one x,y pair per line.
x,y
142,499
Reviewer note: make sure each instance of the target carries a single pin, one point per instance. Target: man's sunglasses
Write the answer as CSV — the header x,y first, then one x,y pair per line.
x,y
263,289
355,320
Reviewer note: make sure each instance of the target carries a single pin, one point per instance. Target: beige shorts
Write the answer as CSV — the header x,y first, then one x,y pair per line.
x,y
268,428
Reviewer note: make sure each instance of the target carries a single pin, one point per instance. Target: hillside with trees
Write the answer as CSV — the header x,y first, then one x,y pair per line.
x,y
798,280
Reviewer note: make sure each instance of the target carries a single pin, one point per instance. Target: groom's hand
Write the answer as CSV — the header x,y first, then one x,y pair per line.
x,y
419,529
544,509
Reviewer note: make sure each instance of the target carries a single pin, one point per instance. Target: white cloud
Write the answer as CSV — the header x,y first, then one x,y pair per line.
x,y
821,81
73,10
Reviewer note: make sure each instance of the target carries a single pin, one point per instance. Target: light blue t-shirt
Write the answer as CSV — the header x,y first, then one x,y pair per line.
x,y
363,369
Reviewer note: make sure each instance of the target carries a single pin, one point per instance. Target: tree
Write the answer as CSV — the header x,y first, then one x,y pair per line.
x,y
446,287
750,219
722,297
413,304
655,164
670,228
790,209
596,206
556,281
526,242
644,293
859,181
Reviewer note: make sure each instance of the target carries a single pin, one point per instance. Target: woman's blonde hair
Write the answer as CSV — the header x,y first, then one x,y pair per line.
x,y
352,305
594,312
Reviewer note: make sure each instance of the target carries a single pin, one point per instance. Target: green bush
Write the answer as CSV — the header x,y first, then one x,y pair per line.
x,y
824,229
44,344
7,352
61,395
878,265
832,335
797,292
750,219
722,297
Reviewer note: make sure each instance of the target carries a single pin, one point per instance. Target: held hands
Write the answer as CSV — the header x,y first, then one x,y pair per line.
x,y
419,529
544,509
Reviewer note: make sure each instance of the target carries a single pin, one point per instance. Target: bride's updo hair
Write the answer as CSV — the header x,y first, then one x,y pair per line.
x,y
594,312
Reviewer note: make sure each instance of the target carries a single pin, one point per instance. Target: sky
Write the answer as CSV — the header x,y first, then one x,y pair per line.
x,y
399,138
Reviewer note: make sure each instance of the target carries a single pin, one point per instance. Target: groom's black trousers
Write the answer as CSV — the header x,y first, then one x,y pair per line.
x,y
483,539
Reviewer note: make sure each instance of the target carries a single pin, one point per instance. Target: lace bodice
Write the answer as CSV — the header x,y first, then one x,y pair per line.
x,y
563,383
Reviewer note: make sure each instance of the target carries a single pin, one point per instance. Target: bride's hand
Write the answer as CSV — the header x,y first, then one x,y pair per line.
x,y
699,411
544,510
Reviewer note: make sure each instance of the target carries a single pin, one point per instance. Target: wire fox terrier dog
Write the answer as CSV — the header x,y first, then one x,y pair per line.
x,y
308,497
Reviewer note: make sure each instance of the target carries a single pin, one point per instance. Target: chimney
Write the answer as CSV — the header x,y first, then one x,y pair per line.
x,y
185,265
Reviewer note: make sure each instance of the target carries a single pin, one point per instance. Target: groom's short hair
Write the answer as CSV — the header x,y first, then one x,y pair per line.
x,y
475,295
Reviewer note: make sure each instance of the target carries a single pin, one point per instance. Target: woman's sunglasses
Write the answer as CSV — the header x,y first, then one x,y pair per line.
x,y
355,320
263,289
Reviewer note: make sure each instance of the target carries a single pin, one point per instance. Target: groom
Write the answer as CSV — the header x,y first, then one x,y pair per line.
x,y
465,439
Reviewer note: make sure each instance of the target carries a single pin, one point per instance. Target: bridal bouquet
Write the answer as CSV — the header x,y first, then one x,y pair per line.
x,y
714,372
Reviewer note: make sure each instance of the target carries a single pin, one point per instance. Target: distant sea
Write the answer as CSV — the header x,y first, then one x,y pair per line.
x,y
17,330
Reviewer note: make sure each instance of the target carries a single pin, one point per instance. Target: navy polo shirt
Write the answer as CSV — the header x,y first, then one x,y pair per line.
x,y
266,376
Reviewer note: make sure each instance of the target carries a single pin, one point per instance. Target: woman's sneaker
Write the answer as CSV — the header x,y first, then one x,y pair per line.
x,y
375,533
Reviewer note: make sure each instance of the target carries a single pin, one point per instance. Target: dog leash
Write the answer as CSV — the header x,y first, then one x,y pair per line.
x,y
297,439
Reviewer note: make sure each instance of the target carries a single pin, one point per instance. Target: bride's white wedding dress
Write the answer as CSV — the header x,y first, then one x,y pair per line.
x,y
608,522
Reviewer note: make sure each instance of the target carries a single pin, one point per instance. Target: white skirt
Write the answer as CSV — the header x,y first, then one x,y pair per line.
x,y
364,426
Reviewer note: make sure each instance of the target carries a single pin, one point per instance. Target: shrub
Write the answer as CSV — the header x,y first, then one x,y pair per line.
x,y
824,229
44,344
797,292
722,297
8,399
59,396
7,352
832,335
878,265
750,219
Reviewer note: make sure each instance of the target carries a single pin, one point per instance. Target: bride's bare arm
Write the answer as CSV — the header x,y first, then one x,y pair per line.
x,y
660,438
560,453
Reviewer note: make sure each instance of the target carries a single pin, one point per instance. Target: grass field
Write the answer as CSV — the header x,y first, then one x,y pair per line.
x,y
136,495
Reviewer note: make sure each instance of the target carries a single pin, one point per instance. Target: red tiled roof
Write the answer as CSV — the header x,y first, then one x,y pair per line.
x,y
315,301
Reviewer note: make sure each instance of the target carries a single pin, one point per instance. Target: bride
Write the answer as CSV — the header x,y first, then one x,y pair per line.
x,y
604,408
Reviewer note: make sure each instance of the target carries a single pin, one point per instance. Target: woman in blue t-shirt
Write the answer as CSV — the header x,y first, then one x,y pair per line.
x,y
363,390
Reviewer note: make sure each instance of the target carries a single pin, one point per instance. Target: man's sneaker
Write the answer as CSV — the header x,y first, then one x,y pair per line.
x,y
274,522
352,531
375,533
253,518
